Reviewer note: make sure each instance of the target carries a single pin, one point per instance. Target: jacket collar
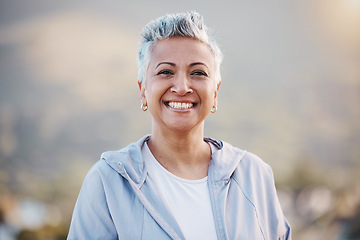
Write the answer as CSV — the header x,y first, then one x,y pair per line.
x,y
225,159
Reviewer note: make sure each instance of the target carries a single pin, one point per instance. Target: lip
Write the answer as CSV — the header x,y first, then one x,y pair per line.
x,y
180,105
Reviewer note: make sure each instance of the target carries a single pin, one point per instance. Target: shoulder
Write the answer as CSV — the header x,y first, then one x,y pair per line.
x,y
247,164
120,165
253,165
100,178
255,180
101,169
254,176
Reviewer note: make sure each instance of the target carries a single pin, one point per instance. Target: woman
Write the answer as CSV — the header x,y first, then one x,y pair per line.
x,y
174,183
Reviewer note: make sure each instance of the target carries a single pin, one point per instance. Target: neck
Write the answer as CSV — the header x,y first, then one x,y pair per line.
x,y
183,153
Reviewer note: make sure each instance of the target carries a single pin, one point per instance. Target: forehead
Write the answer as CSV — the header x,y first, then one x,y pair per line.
x,y
181,50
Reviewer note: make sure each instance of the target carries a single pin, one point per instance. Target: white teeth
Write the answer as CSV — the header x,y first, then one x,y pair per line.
x,y
179,105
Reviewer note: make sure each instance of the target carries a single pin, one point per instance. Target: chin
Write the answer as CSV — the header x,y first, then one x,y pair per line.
x,y
183,127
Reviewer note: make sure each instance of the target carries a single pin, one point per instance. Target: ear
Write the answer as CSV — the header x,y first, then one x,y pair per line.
x,y
142,92
216,92
218,86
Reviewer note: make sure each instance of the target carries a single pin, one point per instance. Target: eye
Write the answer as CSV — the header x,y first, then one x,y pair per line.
x,y
199,73
165,72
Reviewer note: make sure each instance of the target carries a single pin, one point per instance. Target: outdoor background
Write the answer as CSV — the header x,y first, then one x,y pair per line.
x,y
290,94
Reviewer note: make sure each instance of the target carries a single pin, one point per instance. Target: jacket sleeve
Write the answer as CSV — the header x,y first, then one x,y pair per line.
x,y
91,217
276,213
287,235
257,182
276,221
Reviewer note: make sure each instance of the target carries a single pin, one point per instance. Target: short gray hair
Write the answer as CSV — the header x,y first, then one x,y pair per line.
x,y
190,24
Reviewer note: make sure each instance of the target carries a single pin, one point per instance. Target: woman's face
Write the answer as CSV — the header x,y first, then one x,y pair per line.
x,y
180,87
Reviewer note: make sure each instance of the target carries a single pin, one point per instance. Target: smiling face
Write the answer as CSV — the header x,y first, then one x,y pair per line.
x,y
180,87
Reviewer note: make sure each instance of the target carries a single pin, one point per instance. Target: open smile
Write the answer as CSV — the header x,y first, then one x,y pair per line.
x,y
180,105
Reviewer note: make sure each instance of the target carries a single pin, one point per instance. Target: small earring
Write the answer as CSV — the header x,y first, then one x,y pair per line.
x,y
214,109
144,107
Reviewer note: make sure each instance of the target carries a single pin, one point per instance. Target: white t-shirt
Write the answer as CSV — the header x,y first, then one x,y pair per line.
x,y
188,200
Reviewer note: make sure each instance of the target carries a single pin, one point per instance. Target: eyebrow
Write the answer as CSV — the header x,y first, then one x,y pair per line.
x,y
169,63
198,63
173,64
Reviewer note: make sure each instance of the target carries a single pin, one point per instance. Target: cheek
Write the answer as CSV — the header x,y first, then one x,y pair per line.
x,y
153,93
148,96
210,93
208,99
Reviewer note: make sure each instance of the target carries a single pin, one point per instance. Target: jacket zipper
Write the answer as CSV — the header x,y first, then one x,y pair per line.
x,y
158,218
219,225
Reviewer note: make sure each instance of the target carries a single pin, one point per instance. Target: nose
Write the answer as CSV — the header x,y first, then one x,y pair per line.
x,y
181,86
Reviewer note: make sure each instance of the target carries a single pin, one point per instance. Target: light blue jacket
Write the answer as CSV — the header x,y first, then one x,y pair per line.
x,y
117,201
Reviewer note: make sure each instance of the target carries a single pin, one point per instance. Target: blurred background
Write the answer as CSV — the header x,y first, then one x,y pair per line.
x,y
290,94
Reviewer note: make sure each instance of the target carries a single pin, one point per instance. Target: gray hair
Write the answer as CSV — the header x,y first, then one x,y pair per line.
x,y
189,24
